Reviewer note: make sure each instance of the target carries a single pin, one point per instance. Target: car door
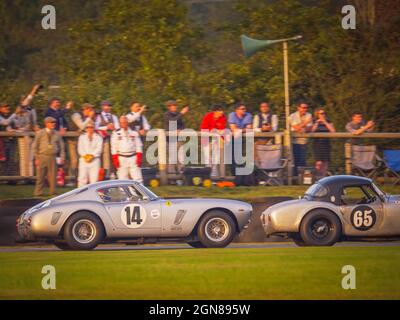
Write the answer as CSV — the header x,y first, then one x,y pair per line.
x,y
132,212
391,225
362,211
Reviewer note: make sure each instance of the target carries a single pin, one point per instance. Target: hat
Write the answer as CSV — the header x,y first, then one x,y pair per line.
x,y
49,119
171,103
105,103
90,124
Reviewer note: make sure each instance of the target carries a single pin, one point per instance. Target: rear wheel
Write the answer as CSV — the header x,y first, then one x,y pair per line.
x,y
320,228
196,244
62,245
216,229
83,231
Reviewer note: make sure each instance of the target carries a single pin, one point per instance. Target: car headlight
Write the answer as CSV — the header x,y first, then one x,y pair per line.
x,y
39,206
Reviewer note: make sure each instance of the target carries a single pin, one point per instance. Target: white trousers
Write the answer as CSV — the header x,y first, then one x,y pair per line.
x,y
88,172
128,169
212,155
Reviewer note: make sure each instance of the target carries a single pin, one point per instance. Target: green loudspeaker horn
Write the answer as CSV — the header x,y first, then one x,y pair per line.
x,y
251,46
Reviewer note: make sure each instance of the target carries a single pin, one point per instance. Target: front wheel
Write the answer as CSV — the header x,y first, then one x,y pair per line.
x,y
216,229
320,228
83,231
298,240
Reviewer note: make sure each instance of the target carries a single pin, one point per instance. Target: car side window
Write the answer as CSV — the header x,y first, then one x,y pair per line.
x,y
113,194
135,195
356,195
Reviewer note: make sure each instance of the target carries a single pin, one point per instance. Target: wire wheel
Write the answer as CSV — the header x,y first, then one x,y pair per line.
x,y
217,229
84,231
321,228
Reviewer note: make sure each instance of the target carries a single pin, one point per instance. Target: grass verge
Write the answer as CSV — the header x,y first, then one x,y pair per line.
x,y
231,273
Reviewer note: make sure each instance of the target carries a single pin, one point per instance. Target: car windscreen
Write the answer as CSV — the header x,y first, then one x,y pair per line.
x,y
150,194
380,193
316,191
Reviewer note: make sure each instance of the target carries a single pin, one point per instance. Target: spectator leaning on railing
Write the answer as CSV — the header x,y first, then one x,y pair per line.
x,y
358,126
90,145
300,122
238,120
265,121
21,122
47,145
5,120
173,120
321,146
214,121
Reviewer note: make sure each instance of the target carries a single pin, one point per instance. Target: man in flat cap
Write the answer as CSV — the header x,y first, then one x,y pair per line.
x,y
106,124
47,145
90,146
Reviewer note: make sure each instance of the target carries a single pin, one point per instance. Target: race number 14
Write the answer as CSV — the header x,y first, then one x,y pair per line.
x,y
133,216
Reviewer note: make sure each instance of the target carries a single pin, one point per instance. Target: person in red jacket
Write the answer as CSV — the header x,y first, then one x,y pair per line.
x,y
215,122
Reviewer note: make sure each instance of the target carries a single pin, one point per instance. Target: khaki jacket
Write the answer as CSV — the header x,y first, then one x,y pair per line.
x,y
48,144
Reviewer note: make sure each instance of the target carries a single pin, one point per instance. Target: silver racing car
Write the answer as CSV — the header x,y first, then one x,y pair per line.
x,y
127,211
334,209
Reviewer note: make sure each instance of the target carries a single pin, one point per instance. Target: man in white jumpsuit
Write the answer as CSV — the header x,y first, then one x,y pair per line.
x,y
127,150
90,146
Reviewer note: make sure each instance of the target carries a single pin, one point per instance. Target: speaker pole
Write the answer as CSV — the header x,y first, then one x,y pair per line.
x,y
288,140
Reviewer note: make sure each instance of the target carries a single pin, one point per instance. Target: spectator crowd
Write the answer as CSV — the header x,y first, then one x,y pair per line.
x,y
111,146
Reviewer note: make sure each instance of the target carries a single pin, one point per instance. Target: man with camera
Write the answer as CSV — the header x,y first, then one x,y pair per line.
x,y
136,119
26,105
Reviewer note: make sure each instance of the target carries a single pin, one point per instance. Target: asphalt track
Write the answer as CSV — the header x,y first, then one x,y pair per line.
x,y
265,245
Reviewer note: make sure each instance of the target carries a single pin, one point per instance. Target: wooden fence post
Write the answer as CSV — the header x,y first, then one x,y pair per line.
x,y
347,156
162,156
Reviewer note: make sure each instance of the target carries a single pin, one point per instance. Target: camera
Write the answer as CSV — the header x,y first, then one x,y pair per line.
x,y
40,87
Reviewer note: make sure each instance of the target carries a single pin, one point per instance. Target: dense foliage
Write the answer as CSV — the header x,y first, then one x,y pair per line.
x,y
155,50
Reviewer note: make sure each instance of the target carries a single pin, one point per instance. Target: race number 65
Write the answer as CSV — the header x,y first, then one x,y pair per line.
x,y
363,218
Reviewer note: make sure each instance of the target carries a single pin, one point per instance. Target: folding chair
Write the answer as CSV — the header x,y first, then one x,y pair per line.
x,y
364,161
269,163
391,162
